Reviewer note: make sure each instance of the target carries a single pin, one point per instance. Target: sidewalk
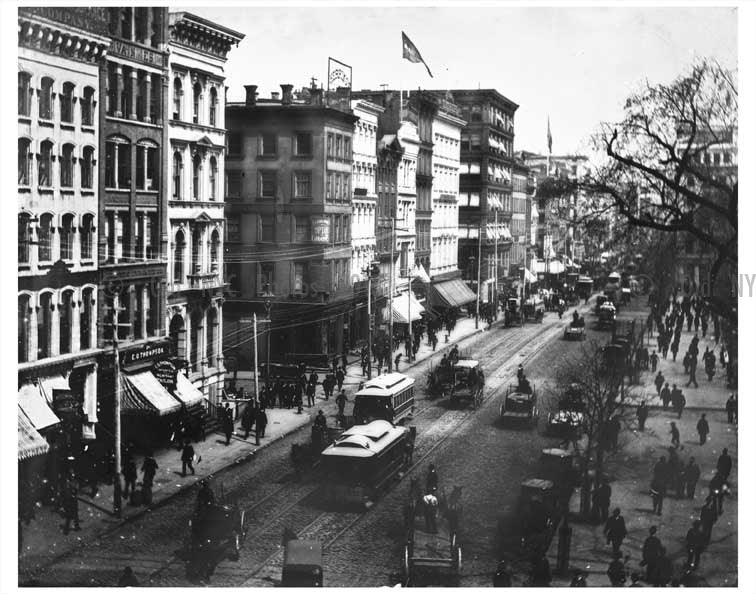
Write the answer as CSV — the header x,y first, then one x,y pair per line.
x,y
44,540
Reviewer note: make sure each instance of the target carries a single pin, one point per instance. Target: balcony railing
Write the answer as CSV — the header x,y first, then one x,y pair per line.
x,y
204,281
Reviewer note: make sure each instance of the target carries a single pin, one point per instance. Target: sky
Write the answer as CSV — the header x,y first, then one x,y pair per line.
x,y
575,66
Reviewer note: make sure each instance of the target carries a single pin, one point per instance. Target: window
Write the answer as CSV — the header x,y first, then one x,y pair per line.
x,y
213,106
302,229
46,99
339,145
147,166
24,162
179,252
64,322
465,142
347,148
337,230
337,186
44,238
303,144
267,228
268,144
23,328
44,326
234,183
66,237
727,157
87,231
126,91
212,332
178,166
330,145
86,164
214,251
139,237
66,103
177,93
477,114
329,186
66,166
156,104
268,184
196,176
86,312
267,272
125,14
300,272
303,184
24,238
235,144
196,96
24,94
44,166
117,164
213,178
196,250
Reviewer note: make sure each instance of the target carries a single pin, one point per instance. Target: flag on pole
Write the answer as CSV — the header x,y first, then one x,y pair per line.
x,y
411,53
548,133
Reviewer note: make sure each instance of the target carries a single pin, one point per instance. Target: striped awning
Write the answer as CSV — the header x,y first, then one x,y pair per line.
x,y
452,293
187,392
36,408
402,305
142,393
30,442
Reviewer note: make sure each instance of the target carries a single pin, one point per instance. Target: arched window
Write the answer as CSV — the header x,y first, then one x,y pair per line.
x,y
24,94
177,334
46,99
87,107
66,237
196,170
44,166
197,94
179,253
118,163
86,318
65,315
178,166
213,106
23,328
44,325
87,168
213,178
87,232
177,93
44,237
147,165
24,162
196,253
214,249
66,103
196,353
24,237
211,337
66,166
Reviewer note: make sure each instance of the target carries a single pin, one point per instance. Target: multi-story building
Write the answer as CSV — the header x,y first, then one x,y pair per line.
x,y
519,226
288,208
198,50
133,190
60,54
485,187
364,165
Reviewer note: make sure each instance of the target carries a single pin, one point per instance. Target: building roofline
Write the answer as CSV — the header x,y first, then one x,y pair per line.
x,y
276,107
230,34
491,92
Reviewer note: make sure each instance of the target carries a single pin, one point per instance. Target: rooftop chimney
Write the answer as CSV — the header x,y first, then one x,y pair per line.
x,y
286,94
274,96
316,96
251,99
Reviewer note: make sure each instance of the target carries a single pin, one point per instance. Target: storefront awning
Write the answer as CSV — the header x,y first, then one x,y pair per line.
x,y
452,293
187,392
49,384
30,442
35,407
402,305
142,393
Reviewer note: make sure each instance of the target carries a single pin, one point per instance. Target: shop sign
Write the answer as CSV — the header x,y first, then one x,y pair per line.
x,y
136,52
145,353
165,372
321,229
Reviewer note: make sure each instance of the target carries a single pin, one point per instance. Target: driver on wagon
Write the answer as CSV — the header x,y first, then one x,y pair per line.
x,y
320,420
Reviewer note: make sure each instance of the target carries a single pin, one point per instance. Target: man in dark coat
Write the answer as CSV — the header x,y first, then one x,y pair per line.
x,y
666,395
642,414
659,382
310,390
228,424
341,401
694,543
541,574
731,406
603,500
187,457
615,531
703,428
652,548
717,490
724,464
692,474
149,468
616,571
675,432
340,378
129,471
654,362
261,422
708,517
659,484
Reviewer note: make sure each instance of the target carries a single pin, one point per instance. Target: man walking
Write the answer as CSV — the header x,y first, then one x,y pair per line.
x,y
642,414
675,432
396,361
310,395
340,378
731,406
149,468
692,364
129,472
652,548
692,474
603,500
703,428
654,363
708,517
71,506
615,531
261,422
659,485
341,401
694,544
666,395
658,382
187,457
724,464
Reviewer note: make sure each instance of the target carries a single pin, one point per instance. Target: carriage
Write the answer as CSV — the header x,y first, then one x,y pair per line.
x,y
607,314
217,531
512,312
576,329
461,381
431,533
533,310
566,422
520,405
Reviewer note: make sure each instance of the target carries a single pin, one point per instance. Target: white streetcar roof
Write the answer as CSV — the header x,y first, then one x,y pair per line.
x,y
466,363
364,441
386,385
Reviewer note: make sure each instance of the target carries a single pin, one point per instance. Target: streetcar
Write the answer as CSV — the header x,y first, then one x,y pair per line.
x,y
365,459
389,397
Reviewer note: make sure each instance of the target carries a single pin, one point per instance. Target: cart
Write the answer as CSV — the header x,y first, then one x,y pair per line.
x,y
539,513
519,406
431,536
567,421
576,329
217,531
607,314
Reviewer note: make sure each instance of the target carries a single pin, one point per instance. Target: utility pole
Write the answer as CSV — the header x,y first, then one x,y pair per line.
x,y
496,266
391,279
409,313
268,306
254,329
480,246
370,323
117,408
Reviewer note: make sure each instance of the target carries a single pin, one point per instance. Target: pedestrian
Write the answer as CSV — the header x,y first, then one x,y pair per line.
x,y
187,457
692,475
339,378
603,500
686,362
341,401
717,490
313,377
692,373
616,571
708,517
652,548
675,347
663,573
694,544
129,472
659,382
724,464
261,422
678,402
431,480
434,341
127,579
675,432
642,414
310,390
344,361
71,505
228,424
666,395
396,361
731,406
654,362
149,468
703,428
615,530
247,418
659,485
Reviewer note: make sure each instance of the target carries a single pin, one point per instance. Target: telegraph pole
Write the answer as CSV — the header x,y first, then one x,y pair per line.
x,y
254,329
117,408
480,245
496,266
